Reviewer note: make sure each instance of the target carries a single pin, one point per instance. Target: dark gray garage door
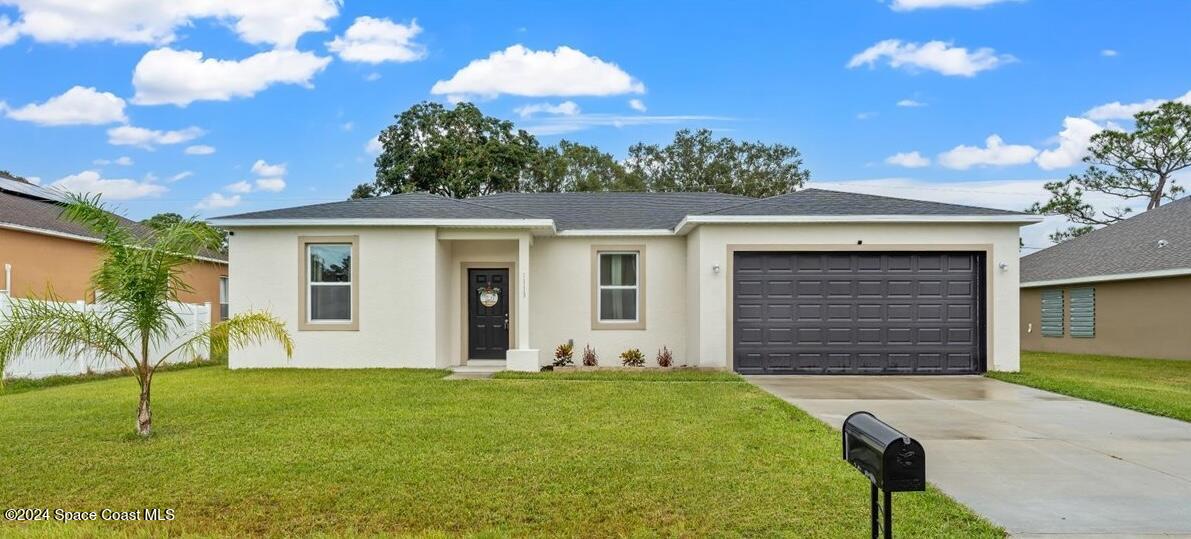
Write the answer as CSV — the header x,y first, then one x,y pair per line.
x,y
857,313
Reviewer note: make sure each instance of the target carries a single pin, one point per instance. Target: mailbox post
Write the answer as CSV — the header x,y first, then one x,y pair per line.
x,y
892,462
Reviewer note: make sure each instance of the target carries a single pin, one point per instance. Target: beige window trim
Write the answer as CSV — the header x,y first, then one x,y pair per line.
x,y
596,323
304,323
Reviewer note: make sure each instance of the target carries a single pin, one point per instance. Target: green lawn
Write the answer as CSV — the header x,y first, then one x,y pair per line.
x,y
281,452
1155,386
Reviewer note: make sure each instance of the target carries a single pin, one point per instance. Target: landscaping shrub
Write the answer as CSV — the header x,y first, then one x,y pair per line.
x,y
564,355
590,359
665,357
632,358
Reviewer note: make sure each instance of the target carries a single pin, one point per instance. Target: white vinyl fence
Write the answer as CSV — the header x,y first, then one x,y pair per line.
x,y
195,317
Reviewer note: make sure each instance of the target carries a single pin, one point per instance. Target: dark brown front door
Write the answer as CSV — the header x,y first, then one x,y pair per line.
x,y
487,313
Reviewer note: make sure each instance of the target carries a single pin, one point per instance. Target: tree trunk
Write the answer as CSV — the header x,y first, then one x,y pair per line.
x,y
144,414
1156,196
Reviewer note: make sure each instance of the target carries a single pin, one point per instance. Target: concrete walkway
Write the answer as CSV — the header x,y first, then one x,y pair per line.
x,y
1034,462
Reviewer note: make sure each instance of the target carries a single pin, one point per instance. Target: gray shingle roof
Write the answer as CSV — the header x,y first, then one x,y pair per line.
x,y
399,206
1130,246
47,215
614,210
823,202
590,211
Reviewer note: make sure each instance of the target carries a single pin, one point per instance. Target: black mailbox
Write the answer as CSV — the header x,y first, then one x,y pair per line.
x,y
892,462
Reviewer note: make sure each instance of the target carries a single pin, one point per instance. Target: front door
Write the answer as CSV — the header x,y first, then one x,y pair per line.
x,y
487,313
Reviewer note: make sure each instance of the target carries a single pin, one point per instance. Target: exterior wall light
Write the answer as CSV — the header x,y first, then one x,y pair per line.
x,y
715,268
1003,266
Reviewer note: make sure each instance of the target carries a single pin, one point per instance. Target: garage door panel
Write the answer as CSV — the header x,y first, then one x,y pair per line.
x,y
868,313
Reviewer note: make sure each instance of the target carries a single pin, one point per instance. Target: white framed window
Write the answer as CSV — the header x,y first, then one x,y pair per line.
x,y
330,282
223,302
329,289
618,296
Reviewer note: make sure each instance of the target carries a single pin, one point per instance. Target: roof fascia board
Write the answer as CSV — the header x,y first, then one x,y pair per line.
x,y
592,232
1177,272
76,237
693,220
455,223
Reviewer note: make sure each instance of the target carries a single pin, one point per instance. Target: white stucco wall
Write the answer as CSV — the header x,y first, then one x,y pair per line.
x,y
710,245
398,297
411,307
561,302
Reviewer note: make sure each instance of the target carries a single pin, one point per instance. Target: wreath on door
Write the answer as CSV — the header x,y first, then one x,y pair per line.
x,y
489,295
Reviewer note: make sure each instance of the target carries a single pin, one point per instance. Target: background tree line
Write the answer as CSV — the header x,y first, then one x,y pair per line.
x,y
461,153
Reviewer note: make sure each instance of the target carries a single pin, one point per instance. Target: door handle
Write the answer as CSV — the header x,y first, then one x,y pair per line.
x,y
506,320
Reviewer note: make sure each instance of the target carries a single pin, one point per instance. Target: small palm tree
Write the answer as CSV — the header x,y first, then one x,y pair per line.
x,y
140,274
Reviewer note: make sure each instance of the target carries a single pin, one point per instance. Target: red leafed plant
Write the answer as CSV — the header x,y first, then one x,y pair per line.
x,y
564,355
665,357
590,359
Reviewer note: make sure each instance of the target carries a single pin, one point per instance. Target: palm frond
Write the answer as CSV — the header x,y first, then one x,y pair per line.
x,y
244,329
58,328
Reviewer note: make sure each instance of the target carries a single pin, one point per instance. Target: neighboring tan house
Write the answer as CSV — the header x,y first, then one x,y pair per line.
x,y
1122,290
809,282
39,250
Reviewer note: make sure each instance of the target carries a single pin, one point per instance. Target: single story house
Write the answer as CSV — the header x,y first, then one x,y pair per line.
x,y
808,282
1122,290
40,250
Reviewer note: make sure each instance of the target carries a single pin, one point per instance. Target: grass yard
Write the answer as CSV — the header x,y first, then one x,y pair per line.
x,y
299,452
1155,386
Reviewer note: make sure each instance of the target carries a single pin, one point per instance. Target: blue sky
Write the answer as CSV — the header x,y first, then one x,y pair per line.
x,y
131,97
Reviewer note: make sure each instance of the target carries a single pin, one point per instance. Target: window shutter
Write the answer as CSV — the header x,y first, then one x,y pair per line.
x,y
1083,312
1052,313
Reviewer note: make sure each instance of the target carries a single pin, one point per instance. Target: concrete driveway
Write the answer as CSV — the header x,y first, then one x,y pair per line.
x,y
1034,462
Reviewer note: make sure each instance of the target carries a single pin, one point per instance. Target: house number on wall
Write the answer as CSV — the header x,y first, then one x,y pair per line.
x,y
489,296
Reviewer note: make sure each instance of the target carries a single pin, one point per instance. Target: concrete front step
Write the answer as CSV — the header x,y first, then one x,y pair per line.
x,y
480,366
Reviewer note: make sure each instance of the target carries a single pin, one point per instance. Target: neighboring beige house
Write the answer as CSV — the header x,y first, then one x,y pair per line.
x,y
40,251
810,282
1122,290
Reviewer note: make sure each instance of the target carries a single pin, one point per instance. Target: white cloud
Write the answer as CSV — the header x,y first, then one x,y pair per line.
x,y
77,106
995,153
865,115
90,181
374,41
1109,53
910,5
637,105
347,126
908,160
199,149
8,31
1073,144
180,176
122,161
216,201
558,125
168,76
374,146
261,168
273,185
521,71
910,103
128,135
372,77
566,108
276,22
935,56
239,187
1125,111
